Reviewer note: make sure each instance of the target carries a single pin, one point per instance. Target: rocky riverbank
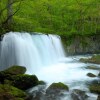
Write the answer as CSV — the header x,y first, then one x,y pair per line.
x,y
81,44
14,82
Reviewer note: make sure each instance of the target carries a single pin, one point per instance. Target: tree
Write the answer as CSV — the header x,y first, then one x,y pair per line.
x,y
7,22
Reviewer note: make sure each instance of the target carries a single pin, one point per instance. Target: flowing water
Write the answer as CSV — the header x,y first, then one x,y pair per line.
x,y
44,56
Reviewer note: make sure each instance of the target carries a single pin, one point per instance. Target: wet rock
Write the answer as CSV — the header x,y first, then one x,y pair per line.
x,y
24,81
37,93
94,59
91,75
78,95
15,70
15,76
56,86
93,67
42,82
95,88
8,73
98,97
55,91
8,92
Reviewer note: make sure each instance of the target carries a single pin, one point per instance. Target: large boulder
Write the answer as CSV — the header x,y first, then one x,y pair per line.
x,y
24,81
15,76
8,92
15,70
8,73
56,90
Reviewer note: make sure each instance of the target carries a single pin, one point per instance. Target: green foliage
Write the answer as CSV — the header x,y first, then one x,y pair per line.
x,y
67,17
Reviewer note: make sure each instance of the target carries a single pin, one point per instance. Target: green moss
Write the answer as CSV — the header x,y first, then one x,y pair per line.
x,y
41,82
58,86
95,88
24,81
16,70
11,93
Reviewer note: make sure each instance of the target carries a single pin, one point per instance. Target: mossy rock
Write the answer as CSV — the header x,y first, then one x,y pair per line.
x,y
24,81
93,67
59,85
95,88
15,70
8,92
8,73
41,82
91,75
94,59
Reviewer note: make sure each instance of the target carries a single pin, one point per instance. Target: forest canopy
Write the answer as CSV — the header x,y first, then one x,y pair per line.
x,y
67,17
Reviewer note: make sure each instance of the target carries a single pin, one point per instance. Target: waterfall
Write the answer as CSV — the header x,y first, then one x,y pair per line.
x,y
30,50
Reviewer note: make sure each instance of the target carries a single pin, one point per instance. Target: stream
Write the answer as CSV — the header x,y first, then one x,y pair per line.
x,y
71,72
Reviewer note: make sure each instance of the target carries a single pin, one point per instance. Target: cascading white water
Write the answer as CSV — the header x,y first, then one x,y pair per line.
x,y
40,50
31,51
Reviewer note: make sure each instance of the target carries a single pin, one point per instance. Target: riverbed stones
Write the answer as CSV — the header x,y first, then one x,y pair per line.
x,y
91,75
93,67
94,59
95,88
78,95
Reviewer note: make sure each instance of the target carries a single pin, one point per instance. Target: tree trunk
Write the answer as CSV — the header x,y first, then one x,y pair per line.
x,y
9,12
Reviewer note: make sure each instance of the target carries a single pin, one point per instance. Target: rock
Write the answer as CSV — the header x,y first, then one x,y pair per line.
x,y
91,75
15,70
95,88
8,73
15,76
59,85
24,81
93,67
94,59
98,97
8,92
78,95
41,82
55,91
